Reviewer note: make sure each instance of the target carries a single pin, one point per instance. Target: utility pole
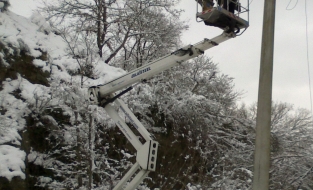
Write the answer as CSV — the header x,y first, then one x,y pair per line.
x,y
263,122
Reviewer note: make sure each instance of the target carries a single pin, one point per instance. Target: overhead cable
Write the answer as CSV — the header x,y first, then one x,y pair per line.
x,y
289,9
307,54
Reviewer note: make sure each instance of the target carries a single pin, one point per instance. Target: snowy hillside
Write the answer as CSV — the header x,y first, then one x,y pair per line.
x,y
35,39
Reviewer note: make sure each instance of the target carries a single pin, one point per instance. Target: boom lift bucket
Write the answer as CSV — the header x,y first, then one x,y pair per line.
x,y
219,17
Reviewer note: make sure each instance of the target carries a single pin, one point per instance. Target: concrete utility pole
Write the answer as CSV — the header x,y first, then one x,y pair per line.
x,y
263,122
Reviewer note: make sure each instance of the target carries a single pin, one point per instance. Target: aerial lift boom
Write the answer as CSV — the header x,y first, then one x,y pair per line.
x,y
103,95
99,94
107,96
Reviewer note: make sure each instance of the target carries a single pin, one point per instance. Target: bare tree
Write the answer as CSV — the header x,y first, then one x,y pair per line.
x,y
110,21
156,33
292,161
291,146
81,49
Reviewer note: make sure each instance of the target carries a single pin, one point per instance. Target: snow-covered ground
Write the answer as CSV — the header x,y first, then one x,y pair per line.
x,y
35,36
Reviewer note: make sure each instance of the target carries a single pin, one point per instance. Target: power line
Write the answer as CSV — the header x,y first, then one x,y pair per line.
x,y
307,54
292,7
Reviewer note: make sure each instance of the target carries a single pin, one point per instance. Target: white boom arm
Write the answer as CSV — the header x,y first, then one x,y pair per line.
x,y
103,95
97,93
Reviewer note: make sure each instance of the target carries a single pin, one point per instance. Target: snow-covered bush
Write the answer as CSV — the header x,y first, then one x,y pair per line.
x,y
4,4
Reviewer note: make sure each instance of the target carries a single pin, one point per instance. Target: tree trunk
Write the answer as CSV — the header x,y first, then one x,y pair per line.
x,y
78,153
90,144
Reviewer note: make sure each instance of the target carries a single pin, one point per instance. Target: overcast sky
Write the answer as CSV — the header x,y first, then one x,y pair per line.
x,y
240,57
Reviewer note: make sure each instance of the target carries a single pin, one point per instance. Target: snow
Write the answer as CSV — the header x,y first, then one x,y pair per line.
x,y
44,179
11,162
35,36
37,158
193,187
11,135
127,155
40,21
39,63
16,109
